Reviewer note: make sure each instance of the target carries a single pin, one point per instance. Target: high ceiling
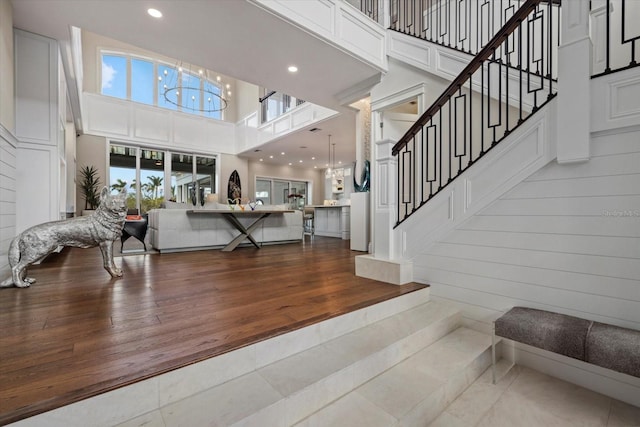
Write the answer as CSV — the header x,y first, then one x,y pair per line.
x,y
233,37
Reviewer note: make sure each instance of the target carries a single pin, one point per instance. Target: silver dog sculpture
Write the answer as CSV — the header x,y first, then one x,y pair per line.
x,y
101,228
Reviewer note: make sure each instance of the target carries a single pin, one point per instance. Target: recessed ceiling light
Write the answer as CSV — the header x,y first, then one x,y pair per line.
x,y
289,164
300,161
155,13
292,69
313,158
340,163
315,167
271,157
260,159
282,154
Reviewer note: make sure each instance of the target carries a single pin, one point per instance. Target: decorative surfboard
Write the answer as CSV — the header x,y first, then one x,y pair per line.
x,y
234,189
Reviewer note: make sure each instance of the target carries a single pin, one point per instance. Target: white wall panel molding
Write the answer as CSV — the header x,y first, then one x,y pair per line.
x,y
417,91
8,153
620,100
107,116
448,63
526,150
36,88
250,136
121,119
37,172
336,22
151,123
359,36
7,137
566,239
411,50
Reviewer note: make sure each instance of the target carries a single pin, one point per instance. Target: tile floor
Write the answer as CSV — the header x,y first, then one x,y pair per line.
x,y
524,397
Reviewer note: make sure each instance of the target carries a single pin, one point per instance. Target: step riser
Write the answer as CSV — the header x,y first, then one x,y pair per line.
x,y
432,407
311,399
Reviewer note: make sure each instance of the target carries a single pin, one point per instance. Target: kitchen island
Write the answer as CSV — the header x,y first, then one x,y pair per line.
x,y
332,221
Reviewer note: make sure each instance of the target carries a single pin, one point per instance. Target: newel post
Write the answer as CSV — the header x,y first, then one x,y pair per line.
x,y
385,263
574,83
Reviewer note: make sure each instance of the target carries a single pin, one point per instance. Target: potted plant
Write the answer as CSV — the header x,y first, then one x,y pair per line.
x,y
90,187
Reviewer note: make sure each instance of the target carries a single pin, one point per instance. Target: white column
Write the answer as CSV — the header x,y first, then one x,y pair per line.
x,y
384,200
385,263
574,83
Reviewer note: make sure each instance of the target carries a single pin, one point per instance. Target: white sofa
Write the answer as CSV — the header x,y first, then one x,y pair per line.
x,y
172,230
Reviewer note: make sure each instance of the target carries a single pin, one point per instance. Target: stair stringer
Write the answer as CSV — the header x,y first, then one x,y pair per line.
x,y
522,153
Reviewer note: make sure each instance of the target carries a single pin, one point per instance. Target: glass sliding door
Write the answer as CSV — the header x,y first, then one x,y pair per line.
x,y
123,164
263,191
280,192
151,179
205,177
144,173
181,177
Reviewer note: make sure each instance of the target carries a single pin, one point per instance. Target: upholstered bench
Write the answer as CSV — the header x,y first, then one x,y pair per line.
x,y
608,346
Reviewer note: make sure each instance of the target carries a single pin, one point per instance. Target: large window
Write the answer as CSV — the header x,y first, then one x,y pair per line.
x,y
144,172
146,81
278,192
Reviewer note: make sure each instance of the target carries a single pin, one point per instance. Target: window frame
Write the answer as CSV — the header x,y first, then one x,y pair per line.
x,y
157,95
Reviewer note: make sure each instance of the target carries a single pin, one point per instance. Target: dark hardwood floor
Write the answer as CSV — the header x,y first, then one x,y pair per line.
x,y
77,332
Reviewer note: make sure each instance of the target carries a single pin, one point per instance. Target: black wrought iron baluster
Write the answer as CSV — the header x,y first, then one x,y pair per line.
x,y
607,68
450,140
470,119
423,166
481,110
440,153
520,70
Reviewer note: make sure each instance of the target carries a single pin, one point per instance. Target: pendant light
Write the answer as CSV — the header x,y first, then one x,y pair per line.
x,y
329,172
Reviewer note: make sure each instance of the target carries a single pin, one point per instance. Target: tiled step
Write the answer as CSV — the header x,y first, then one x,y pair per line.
x,y
288,390
230,388
415,391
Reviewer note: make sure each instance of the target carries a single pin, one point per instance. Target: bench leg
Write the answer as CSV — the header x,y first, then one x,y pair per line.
x,y
493,353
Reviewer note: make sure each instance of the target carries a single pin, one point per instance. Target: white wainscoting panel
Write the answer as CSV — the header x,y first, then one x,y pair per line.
x,y
121,119
294,120
107,116
618,96
8,154
566,239
36,88
151,123
525,151
365,39
187,131
37,178
338,23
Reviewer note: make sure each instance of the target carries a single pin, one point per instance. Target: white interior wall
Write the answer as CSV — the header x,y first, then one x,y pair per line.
x,y
8,142
567,239
90,151
229,163
7,110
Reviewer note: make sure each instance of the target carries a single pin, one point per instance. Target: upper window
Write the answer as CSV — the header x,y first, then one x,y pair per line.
x,y
147,81
114,76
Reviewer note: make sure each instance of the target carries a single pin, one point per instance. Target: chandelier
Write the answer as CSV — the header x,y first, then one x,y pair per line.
x,y
193,91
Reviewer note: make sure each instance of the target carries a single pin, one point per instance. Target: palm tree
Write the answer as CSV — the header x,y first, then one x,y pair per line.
x,y
119,185
155,182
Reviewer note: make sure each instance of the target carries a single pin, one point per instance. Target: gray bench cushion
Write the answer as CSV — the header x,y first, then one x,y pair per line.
x,y
555,332
614,348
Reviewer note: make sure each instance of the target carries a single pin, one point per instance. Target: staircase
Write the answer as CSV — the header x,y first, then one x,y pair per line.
x,y
400,362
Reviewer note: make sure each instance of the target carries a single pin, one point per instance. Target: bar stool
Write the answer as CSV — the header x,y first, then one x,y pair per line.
x,y
308,228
